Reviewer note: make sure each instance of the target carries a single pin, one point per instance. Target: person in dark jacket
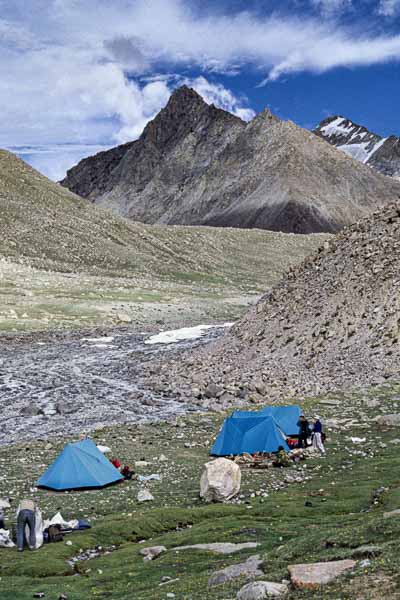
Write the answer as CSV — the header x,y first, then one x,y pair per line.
x,y
304,431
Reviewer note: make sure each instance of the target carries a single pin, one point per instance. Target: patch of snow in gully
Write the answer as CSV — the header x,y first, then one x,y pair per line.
x,y
186,333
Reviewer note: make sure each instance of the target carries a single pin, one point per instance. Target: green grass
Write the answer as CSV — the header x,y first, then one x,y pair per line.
x,y
342,517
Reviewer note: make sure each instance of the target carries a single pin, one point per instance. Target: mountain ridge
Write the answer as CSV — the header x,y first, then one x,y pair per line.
x,y
196,164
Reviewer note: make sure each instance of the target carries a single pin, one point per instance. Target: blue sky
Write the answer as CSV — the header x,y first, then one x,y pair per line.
x,y
77,76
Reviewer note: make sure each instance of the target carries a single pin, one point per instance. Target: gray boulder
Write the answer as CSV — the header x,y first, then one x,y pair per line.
x,y
250,569
392,420
258,590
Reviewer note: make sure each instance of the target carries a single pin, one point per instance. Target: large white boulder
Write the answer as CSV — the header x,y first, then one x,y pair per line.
x,y
220,480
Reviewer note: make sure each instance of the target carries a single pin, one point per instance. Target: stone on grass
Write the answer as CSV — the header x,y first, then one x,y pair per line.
x,y
389,420
367,550
220,547
313,575
392,513
258,590
153,552
248,569
124,318
144,496
220,480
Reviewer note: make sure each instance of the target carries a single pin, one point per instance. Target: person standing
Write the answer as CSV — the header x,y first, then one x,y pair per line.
x,y
26,518
317,436
304,431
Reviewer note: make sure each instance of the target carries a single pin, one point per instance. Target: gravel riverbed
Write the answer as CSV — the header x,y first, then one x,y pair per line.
x,y
70,382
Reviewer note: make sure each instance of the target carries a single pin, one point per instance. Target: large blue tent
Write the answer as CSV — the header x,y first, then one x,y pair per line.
x,y
256,433
286,417
80,465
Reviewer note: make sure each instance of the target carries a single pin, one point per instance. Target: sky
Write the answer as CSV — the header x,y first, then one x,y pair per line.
x,y
79,76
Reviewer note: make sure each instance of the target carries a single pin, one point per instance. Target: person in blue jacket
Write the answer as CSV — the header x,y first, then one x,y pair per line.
x,y
317,436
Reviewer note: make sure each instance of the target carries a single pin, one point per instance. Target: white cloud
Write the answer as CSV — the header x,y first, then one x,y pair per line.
x,y
215,93
389,8
64,64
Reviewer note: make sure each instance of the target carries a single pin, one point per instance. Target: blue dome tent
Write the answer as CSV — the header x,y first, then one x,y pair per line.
x,y
255,433
286,417
80,465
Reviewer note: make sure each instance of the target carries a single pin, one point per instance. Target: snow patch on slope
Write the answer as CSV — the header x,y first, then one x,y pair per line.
x,y
363,151
186,333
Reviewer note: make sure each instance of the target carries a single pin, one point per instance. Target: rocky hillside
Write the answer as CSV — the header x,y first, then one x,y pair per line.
x,y
198,165
332,322
383,154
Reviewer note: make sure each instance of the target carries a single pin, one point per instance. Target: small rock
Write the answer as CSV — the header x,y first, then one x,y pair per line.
x,y
248,569
153,552
313,575
220,547
212,390
258,590
392,513
388,420
366,550
144,496
124,318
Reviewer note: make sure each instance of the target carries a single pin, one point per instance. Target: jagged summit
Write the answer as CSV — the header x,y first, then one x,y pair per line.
x,y
185,110
196,164
383,154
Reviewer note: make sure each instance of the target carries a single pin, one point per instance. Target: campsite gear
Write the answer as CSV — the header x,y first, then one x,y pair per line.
x,y
292,442
5,539
80,465
282,459
25,518
38,529
127,472
256,433
286,417
116,463
54,534
146,478
66,526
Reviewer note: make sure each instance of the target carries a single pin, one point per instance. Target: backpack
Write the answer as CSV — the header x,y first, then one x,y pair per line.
x,y
55,534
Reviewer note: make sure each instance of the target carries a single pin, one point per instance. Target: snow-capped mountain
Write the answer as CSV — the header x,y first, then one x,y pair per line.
x,y
383,154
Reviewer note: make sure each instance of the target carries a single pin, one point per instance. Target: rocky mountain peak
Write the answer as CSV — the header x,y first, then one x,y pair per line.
x,y
184,111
